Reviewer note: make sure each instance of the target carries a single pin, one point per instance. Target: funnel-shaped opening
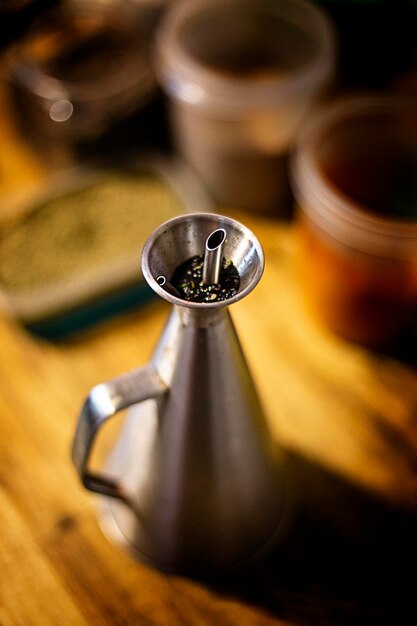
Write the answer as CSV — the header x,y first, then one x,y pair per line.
x,y
181,238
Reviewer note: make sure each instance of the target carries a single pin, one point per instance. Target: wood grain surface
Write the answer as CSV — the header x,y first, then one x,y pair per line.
x,y
345,416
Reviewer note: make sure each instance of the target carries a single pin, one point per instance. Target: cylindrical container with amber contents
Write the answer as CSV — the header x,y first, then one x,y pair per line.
x,y
354,177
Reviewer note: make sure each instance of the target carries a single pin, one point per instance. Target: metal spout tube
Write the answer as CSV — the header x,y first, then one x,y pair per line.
x,y
213,256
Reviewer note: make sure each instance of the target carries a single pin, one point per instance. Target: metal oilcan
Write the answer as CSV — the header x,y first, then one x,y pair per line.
x,y
194,483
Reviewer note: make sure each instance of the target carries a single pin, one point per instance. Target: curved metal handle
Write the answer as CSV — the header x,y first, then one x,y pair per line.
x,y
104,401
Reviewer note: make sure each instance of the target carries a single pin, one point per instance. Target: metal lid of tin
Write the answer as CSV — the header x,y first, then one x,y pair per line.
x,y
81,239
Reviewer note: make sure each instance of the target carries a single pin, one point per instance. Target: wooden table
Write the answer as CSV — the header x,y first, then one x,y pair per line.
x,y
346,417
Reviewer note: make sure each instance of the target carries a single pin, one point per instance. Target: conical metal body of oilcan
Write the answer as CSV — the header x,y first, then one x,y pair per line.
x,y
194,483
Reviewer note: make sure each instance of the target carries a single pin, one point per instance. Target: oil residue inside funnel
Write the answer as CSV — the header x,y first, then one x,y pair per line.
x,y
188,281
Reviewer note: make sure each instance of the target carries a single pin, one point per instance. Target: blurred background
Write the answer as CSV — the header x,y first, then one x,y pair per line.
x,y
94,85
116,115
